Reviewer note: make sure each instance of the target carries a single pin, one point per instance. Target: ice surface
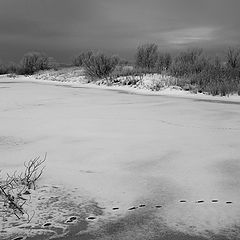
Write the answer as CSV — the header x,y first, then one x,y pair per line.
x,y
123,150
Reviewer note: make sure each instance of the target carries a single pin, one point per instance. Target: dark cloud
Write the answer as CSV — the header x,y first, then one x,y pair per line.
x,y
64,27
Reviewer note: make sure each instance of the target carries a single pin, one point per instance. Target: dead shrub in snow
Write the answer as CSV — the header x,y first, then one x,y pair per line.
x,y
15,186
33,171
11,196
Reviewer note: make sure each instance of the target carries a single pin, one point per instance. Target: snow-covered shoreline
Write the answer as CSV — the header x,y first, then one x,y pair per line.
x,y
171,91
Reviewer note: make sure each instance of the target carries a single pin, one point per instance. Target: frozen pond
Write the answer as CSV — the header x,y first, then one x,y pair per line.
x,y
123,150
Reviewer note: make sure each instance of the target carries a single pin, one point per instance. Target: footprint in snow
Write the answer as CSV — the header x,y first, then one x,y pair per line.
x,y
47,224
71,219
132,208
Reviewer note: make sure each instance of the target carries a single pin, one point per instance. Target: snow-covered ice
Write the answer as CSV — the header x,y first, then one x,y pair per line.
x,y
121,150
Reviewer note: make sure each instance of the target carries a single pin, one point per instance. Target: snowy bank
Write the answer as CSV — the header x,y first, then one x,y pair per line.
x,y
76,78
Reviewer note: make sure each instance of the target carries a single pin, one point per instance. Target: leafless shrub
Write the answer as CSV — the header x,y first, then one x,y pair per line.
x,y
33,171
14,188
100,66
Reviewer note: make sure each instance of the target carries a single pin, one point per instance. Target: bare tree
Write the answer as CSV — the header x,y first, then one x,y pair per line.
x,y
146,56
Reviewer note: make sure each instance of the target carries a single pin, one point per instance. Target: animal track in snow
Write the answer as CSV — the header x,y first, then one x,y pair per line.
x,y
47,224
71,219
132,208
180,201
115,208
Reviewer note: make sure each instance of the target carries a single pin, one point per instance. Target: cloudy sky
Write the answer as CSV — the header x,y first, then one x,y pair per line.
x,y
63,28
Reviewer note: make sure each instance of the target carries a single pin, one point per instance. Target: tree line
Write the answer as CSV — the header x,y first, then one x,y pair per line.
x,y
193,67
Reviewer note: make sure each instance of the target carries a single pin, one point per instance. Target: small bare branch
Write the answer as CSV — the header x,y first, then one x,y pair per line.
x,y
33,171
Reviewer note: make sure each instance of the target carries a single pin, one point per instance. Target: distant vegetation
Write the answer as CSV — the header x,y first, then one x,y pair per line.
x,y
33,62
193,69
204,74
30,63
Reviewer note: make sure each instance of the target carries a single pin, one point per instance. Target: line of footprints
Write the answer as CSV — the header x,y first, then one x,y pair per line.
x,y
73,219
159,206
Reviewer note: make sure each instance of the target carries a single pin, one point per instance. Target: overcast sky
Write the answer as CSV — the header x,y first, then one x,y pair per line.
x,y
62,28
